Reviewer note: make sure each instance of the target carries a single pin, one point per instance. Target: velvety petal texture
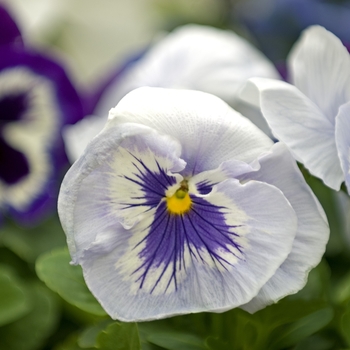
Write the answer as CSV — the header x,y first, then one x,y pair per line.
x,y
304,116
182,205
191,57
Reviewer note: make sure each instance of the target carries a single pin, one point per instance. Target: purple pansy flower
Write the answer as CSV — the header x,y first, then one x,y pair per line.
x,y
36,100
182,205
311,116
191,57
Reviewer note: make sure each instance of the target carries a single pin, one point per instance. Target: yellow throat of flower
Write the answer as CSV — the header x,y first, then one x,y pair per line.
x,y
180,202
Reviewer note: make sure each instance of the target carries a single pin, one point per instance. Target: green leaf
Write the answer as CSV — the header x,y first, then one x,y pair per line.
x,y
345,324
342,290
292,334
71,343
54,269
29,243
317,286
30,331
89,336
177,340
14,302
329,200
119,336
214,343
316,342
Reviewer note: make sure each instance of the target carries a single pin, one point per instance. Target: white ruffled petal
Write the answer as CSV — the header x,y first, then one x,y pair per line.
x,y
320,67
85,190
279,169
298,122
209,131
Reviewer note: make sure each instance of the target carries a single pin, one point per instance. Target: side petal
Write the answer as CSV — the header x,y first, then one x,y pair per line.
x,y
198,120
213,258
91,185
320,68
279,169
298,122
342,139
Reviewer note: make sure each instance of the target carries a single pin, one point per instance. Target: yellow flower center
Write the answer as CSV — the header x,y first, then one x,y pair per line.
x,y
180,202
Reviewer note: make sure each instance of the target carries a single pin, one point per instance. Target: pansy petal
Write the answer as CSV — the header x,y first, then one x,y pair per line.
x,y
204,182
188,116
320,68
194,57
342,132
213,258
86,189
279,169
10,33
298,122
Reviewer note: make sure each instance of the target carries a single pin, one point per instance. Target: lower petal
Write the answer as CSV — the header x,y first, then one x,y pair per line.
x,y
213,258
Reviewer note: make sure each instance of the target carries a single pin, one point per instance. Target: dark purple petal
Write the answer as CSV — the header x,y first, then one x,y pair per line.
x,y
12,107
67,107
68,100
9,32
41,207
13,164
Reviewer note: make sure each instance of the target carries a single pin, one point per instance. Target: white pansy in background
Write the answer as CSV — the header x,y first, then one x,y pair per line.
x,y
312,116
191,57
97,35
182,205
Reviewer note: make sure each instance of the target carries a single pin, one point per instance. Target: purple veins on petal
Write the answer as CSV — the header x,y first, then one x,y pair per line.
x,y
205,187
176,241
150,181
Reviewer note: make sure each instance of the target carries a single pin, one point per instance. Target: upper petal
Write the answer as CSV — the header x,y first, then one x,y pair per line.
x,y
320,67
342,138
191,57
298,122
209,131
